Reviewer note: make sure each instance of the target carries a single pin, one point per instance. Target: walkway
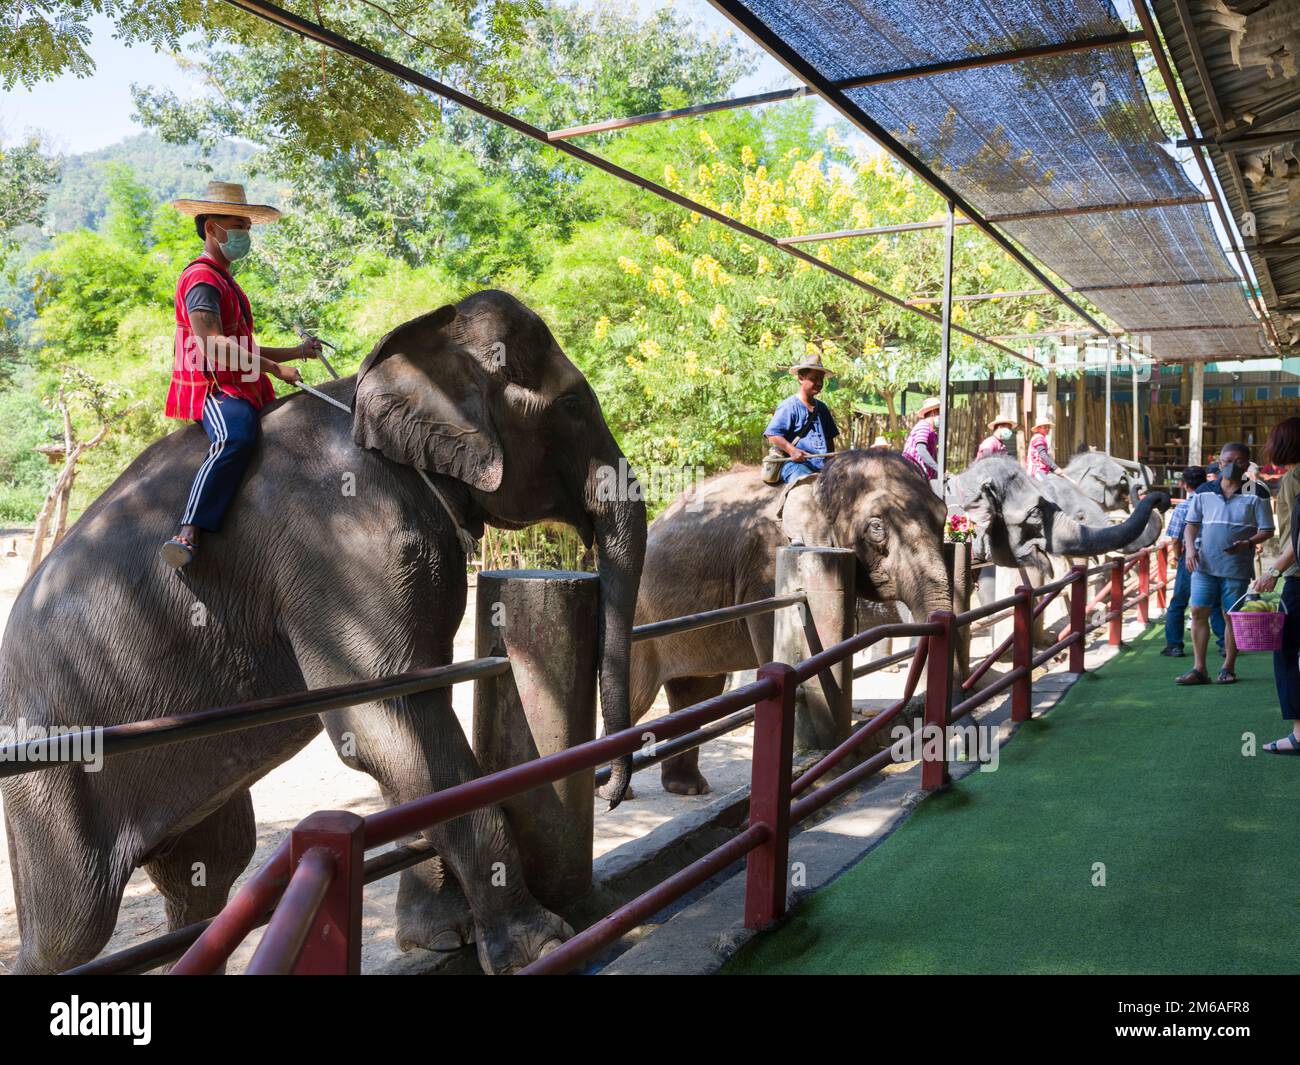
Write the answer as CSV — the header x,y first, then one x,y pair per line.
x,y
1130,773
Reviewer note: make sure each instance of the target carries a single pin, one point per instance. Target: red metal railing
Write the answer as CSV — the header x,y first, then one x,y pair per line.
x,y
314,905
777,802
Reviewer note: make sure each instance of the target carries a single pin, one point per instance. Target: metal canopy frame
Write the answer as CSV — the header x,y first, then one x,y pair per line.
x,y
1013,55
1021,216
315,32
1163,65
834,95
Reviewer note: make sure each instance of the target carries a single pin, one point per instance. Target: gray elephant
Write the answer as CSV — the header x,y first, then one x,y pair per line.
x,y
336,564
1075,501
716,546
1024,525
1109,483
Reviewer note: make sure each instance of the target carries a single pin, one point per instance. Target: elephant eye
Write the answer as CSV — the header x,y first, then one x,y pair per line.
x,y
876,529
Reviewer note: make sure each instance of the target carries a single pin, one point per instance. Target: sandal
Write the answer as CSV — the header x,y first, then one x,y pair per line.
x,y
1276,748
179,552
1192,676
1226,676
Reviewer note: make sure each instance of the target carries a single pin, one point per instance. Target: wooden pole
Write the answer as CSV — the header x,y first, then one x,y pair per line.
x,y
546,622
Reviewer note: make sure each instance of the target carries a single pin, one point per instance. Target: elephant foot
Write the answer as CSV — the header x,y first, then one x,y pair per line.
x,y
437,920
519,939
683,779
606,793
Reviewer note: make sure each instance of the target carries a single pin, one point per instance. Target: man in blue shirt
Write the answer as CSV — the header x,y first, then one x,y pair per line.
x,y
1219,541
1229,454
1175,612
802,426
1234,454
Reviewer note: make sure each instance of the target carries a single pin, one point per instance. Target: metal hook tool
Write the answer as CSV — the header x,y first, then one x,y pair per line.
x,y
304,335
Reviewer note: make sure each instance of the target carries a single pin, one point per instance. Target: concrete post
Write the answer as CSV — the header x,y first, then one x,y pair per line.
x,y
1196,432
546,623
1110,351
1137,414
824,705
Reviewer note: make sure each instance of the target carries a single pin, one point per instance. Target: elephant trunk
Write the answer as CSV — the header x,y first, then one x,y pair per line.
x,y
1070,537
620,534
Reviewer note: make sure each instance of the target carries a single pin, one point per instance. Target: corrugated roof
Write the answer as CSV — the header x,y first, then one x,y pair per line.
x,y
1252,64
1047,134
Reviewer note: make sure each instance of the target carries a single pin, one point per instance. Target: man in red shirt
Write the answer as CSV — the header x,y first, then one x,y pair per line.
x,y
220,374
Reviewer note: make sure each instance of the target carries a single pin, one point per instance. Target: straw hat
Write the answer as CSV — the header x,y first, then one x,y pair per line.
x,y
812,362
1045,420
930,406
1010,423
224,198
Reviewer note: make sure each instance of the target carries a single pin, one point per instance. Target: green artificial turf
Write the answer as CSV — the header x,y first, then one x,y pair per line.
x,y
995,875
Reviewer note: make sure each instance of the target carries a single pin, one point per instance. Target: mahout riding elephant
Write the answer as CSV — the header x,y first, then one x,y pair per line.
x,y
1023,524
716,545
335,565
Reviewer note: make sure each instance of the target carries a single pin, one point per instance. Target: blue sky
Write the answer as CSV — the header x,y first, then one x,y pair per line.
x,y
82,114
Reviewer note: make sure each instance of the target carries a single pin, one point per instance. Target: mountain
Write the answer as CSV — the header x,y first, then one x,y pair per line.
x,y
168,171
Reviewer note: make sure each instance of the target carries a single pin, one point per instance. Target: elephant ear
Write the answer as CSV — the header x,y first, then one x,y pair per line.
x,y
984,505
422,401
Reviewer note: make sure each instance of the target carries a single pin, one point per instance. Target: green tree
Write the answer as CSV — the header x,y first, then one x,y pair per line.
x,y
322,103
695,323
26,175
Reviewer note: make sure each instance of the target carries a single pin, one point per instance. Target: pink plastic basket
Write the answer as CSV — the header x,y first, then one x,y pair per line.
x,y
1256,630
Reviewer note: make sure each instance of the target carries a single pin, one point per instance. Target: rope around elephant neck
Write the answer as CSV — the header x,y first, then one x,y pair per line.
x,y
468,544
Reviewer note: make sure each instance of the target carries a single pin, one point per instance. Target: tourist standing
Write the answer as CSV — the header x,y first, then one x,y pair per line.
x,y
1283,449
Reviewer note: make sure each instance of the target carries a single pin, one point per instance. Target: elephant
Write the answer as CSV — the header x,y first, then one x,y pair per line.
x,y
715,546
336,564
1075,501
1108,482
1024,525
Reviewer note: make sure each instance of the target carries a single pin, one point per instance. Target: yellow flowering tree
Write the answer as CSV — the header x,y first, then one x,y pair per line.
x,y
686,326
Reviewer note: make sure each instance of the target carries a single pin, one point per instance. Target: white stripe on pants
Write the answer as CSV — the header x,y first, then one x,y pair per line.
x,y
211,409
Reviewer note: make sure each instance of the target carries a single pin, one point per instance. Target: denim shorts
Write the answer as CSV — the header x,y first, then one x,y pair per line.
x,y
1223,592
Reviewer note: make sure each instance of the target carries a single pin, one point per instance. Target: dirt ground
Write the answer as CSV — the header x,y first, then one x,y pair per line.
x,y
315,779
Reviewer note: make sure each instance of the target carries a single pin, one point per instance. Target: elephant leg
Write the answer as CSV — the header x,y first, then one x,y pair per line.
x,y
195,873
67,890
414,747
680,774
432,910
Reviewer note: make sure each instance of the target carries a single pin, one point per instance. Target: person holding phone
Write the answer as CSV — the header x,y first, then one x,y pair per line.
x,y
1219,541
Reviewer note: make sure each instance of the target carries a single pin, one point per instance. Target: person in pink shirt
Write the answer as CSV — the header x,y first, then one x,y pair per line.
x,y
922,445
1001,433
1039,461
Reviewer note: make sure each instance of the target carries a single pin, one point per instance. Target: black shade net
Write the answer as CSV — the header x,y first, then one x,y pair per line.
x,y
1044,134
